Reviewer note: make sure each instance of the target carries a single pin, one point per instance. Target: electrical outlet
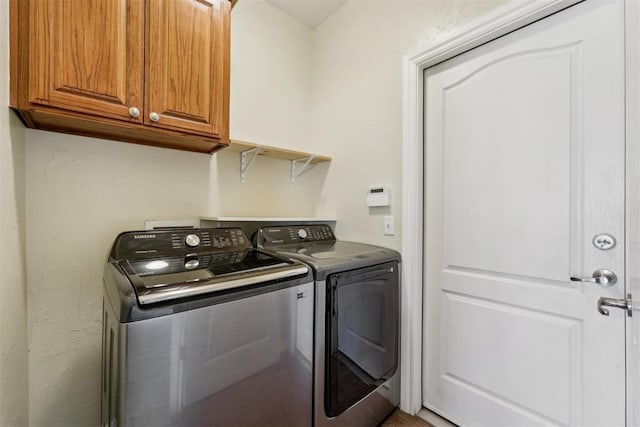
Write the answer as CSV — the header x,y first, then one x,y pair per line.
x,y
388,225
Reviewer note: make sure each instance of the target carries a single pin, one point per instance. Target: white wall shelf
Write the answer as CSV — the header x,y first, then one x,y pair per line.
x,y
249,151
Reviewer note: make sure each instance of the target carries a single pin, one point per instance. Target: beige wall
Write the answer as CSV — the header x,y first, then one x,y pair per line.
x,y
270,104
13,322
80,192
270,76
357,101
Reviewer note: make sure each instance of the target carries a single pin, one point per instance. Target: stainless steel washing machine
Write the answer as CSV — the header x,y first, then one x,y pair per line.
x,y
356,322
202,330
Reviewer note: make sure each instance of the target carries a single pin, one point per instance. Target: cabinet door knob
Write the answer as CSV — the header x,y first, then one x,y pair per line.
x,y
134,112
154,117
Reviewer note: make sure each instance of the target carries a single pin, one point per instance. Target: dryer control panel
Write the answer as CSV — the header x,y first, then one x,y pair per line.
x,y
294,234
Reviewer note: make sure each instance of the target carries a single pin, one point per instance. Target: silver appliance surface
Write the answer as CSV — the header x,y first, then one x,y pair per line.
x,y
357,288
214,355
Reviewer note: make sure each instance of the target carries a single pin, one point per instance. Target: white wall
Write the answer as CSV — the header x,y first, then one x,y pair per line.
x,y
357,101
80,192
13,321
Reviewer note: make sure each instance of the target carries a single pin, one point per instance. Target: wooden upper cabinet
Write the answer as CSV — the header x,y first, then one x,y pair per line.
x,y
110,68
187,65
93,56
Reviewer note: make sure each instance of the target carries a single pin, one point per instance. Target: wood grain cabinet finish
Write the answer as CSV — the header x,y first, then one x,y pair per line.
x,y
153,72
185,48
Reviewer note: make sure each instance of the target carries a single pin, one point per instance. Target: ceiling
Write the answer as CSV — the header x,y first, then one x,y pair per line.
x,y
309,12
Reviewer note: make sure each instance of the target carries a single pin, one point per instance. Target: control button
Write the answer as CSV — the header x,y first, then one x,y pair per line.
x,y
192,240
302,233
191,264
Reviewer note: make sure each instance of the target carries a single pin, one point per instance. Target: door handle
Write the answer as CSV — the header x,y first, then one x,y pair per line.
x,y
602,277
625,304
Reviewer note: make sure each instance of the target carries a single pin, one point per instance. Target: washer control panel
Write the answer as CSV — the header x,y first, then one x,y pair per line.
x,y
157,243
292,234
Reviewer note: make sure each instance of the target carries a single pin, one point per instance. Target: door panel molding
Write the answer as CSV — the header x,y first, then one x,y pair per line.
x,y
550,331
513,279
545,70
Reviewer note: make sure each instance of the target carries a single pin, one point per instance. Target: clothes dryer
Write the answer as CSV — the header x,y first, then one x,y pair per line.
x,y
357,294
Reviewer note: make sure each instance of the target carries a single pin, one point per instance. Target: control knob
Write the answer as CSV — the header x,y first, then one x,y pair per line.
x,y
192,240
302,234
190,264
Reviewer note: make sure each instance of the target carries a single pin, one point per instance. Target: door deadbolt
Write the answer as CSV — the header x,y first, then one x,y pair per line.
x,y
604,241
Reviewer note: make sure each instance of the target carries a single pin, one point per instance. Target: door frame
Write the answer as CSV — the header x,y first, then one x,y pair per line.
x,y
505,19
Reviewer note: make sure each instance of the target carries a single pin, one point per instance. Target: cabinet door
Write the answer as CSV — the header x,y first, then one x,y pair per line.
x,y
187,57
87,56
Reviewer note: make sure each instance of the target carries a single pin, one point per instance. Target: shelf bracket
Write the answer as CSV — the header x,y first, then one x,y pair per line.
x,y
295,172
245,164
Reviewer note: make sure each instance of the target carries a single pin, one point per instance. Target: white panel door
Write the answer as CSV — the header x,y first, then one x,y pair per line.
x,y
524,165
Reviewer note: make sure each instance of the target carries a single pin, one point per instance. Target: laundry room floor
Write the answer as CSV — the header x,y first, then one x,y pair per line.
x,y
401,419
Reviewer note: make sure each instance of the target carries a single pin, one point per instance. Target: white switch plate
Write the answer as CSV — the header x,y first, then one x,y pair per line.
x,y
388,225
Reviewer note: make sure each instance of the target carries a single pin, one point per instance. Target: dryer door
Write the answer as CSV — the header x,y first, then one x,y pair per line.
x,y
362,333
